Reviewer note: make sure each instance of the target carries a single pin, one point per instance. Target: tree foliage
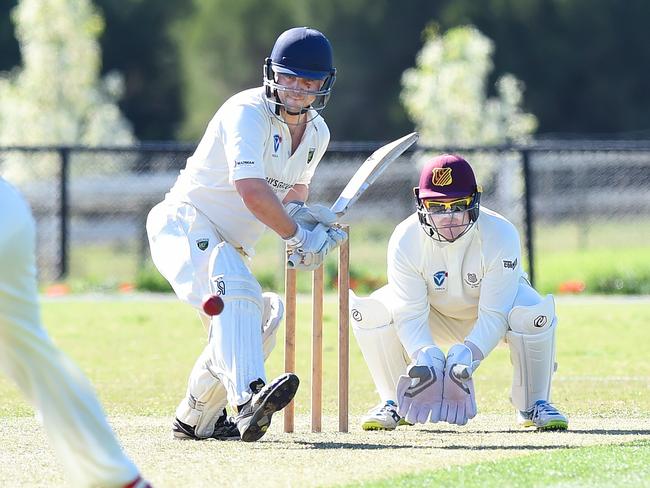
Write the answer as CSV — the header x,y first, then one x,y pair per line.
x,y
223,45
57,97
584,62
446,93
138,42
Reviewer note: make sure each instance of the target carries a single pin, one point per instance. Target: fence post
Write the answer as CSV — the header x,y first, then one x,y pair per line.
x,y
64,154
529,216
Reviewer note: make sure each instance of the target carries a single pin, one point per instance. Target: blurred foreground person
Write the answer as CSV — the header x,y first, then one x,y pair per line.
x,y
454,277
65,402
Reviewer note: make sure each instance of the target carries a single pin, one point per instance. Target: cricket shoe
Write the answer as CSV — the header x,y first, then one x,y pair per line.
x,y
543,416
383,417
254,417
225,429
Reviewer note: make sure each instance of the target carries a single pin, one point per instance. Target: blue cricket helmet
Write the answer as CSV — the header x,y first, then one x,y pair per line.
x,y
302,52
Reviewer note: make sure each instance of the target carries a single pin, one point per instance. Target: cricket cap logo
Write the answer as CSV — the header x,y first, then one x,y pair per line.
x,y
441,176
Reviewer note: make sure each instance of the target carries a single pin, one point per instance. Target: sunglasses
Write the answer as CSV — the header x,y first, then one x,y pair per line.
x,y
460,205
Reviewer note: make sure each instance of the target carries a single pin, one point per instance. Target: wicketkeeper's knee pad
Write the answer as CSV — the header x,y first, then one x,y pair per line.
x,y
532,347
271,318
377,338
370,312
236,334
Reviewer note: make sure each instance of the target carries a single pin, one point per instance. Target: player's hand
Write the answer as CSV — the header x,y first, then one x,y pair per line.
x,y
310,216
419,391
459,400
313,216
307,248
336,237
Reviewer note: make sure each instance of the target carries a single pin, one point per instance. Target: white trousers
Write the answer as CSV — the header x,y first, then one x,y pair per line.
x,y
187,250
73,418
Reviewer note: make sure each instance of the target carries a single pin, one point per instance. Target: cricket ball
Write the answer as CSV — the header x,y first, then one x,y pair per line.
x,y
212,305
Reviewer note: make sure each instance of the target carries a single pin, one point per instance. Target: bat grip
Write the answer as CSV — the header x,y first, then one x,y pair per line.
x,y
296,256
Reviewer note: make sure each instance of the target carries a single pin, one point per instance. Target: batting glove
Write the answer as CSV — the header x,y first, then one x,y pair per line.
x,y
307,248
459,400
419,391
310,216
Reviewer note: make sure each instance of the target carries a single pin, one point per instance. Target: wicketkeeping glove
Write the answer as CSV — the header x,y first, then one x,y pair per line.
x,y
459,400
419,391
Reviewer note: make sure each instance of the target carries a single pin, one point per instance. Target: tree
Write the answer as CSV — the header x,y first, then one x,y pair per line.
x,y
223,45
57,96
585,63
446,94
138,41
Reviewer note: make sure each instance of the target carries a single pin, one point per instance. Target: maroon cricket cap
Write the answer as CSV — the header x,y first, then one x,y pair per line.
x,y
447,175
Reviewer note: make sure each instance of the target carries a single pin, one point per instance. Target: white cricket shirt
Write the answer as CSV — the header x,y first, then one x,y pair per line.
x,y
475,277
245,140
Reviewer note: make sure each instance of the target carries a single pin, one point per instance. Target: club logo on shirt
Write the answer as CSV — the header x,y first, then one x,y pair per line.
x,y
202,244
472,281
510,264
310,155
439,279
277,140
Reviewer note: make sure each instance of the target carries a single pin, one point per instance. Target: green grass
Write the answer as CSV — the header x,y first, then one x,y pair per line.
x,y
138,354
607,258
146,350
600,466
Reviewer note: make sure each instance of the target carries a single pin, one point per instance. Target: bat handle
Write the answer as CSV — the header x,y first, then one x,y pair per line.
x,y
295,257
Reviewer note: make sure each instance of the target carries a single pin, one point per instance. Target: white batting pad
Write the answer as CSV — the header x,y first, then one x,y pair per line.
x,y
235,336
379,343
271,318
206,397
531,339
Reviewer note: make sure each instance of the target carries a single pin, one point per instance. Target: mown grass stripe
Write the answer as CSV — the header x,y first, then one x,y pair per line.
x,y
621,465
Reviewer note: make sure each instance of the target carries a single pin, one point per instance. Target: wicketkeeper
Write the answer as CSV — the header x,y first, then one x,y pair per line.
x,y
251,170
454,277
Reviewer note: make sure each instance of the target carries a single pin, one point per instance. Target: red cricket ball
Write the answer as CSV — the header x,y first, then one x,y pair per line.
x,y
212,305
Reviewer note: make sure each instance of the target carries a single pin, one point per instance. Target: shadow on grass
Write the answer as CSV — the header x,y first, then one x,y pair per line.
x,y
329,445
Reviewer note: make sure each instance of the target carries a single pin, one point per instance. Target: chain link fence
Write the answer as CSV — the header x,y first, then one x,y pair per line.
x,y
570,200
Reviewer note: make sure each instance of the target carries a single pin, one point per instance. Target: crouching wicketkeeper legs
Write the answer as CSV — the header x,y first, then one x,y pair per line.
x,y
531,337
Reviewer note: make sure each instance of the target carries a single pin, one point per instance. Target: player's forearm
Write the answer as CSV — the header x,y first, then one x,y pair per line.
x,y
265,206
490,328
298,192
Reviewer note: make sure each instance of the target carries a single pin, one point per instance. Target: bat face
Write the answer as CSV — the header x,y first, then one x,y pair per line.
x,y
370,170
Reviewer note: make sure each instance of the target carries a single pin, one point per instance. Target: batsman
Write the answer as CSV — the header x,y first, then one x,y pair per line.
x,y
454,278
251,170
